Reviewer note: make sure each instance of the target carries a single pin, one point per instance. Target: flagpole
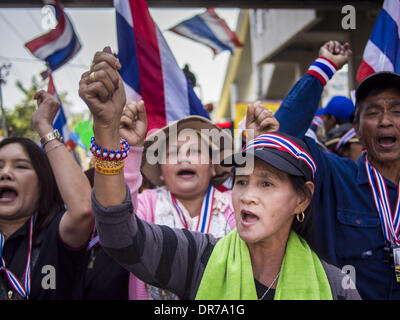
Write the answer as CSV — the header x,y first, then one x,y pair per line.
x,y
4,71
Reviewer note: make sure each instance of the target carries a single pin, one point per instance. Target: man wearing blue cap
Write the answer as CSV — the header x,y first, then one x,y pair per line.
x,y
357,218
338,111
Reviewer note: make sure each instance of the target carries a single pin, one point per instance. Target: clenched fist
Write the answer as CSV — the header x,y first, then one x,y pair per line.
x,y
102,90
43,117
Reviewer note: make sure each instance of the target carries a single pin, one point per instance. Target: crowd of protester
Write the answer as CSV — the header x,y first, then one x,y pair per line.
x,y
312,191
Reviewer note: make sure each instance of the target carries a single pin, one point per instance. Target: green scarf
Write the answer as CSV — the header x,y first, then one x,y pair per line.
x,y
229,275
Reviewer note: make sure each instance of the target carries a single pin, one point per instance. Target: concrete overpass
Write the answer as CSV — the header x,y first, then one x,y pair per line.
x,y
281,44
272,60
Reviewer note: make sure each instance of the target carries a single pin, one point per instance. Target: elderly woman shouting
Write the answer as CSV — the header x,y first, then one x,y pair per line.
x,y
265,257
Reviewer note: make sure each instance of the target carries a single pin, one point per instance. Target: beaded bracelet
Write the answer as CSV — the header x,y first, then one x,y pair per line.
x,y
109,155
109,164
109,170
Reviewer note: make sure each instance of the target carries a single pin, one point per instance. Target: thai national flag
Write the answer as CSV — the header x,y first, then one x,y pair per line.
x,y
382,52
209,29
58,45
60,121
149,69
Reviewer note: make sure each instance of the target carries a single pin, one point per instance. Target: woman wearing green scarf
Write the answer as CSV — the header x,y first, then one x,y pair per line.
x,y
265,257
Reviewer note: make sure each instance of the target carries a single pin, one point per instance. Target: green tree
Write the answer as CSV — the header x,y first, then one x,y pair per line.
x,y
19,120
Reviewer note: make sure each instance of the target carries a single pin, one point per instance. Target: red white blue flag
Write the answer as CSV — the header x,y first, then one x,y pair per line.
x,y
209,29
58,45
60,121
382,52
149,69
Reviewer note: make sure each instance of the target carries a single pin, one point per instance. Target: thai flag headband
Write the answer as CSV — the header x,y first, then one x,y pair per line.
x,y
345,138
317,121
272,140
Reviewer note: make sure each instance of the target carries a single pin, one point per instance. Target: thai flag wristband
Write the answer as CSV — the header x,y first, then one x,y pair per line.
x,y
109,155
323,69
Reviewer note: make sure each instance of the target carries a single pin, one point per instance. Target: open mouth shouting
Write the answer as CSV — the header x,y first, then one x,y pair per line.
x,y
8,194
186,173
387,141
248,218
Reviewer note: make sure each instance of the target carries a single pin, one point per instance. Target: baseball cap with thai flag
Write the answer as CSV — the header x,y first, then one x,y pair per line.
x,y
280,150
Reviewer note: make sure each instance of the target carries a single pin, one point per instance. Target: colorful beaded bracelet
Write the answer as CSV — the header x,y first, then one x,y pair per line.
x,y
109,164
107,170
109,155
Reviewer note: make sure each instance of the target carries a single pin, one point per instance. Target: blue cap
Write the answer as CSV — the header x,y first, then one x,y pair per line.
x,y
339,106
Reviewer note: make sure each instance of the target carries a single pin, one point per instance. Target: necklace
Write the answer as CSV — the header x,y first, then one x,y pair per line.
x,y
270,286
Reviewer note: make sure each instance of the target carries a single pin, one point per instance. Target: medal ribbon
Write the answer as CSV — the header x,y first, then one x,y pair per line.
x,y
390,220
23,290
93,242
203,224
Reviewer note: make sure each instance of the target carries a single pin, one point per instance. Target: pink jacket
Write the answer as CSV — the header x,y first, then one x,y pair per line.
x,y
144,206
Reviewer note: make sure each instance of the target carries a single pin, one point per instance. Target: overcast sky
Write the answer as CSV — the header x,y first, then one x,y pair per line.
x,y
96,29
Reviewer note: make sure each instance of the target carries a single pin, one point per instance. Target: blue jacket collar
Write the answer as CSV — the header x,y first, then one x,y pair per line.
x,y
362,173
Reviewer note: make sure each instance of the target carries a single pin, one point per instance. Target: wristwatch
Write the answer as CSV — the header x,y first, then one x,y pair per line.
x,y
51,136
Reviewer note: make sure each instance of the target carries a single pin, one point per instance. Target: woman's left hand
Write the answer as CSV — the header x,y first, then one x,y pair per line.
x,y
48,107
260,120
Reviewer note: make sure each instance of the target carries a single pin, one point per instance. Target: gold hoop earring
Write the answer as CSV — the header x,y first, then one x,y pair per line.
x,y
300,217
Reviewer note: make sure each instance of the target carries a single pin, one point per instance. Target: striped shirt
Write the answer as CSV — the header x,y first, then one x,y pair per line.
x,y
172,259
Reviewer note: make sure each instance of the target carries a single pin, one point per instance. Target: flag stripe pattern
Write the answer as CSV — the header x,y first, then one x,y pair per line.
x,y
209,29
323,69
60,121
382,50
58,45
149,69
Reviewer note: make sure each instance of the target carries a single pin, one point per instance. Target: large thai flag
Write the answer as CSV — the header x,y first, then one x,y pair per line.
x,y
149,69
209,29
382,52
58,45
60,121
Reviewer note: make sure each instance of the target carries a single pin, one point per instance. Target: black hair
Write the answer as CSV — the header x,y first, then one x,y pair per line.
x,y
50,202
304,228
339,121
89,173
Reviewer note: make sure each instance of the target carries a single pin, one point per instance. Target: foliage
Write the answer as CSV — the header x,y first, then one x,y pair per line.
x,y
19,120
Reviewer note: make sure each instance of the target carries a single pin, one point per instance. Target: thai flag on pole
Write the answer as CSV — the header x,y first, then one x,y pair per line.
x,y
209,29
149,69
382,52
60,121
58,45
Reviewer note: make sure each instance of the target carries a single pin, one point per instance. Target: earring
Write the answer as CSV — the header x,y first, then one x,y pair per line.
x,y
300,217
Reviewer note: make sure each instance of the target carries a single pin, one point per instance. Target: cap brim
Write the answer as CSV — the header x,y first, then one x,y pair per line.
x,y
269,156
377,79
320,112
